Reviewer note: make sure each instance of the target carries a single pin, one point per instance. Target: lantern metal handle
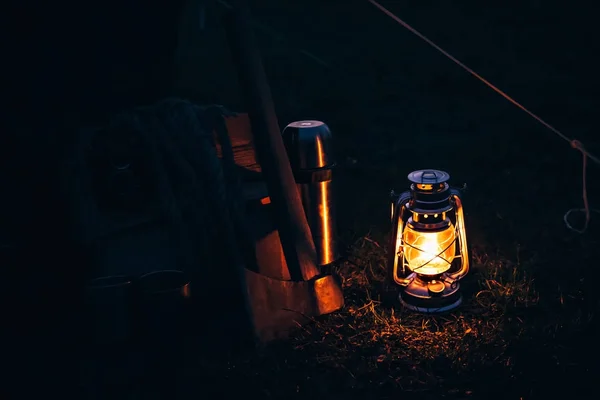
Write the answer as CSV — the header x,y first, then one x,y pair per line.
x,y
462,238
396,239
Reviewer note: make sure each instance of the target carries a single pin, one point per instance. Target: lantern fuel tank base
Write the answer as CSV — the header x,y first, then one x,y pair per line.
x,y
430,296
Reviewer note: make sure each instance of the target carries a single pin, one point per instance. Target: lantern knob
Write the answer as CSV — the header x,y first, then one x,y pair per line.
x,y
436,287
428,176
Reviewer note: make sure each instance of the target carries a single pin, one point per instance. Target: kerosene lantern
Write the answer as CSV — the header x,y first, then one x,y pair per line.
x,y
428,252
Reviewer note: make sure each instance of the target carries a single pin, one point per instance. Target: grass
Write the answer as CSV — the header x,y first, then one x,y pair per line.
x,y
505,341
377,346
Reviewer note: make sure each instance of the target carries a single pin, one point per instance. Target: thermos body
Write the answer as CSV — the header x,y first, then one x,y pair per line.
x,y
309,148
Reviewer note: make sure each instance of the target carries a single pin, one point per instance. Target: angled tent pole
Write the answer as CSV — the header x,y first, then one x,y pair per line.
x,y
294,231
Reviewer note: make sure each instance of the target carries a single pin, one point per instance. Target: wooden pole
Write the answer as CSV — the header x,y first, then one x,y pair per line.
x,y
296,239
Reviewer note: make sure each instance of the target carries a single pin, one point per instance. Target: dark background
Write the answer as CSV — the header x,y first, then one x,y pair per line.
x,y
392,100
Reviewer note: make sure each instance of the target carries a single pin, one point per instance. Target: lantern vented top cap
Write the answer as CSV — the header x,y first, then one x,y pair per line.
x,y
428,176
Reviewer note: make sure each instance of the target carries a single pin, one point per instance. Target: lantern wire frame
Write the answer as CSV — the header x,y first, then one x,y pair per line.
x,y
405,266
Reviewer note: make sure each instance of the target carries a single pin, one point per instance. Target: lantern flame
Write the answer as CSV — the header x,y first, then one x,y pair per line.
x,y
429,253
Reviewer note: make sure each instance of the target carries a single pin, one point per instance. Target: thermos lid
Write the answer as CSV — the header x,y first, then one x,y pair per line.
x,y
308,144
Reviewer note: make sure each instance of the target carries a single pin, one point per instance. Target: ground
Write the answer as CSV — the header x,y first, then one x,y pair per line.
x,y
394,104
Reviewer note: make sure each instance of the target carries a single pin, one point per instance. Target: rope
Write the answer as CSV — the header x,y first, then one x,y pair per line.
x,y
576,144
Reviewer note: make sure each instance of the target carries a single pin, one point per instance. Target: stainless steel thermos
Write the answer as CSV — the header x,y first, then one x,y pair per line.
x,y
309,148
